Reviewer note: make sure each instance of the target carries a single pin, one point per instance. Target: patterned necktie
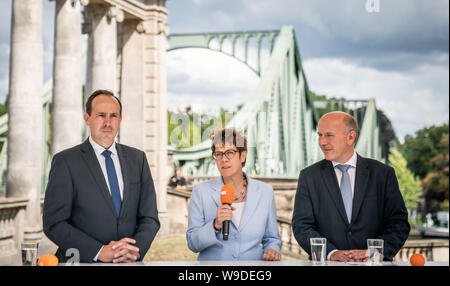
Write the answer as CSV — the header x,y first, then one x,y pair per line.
x,y
346,190
113,182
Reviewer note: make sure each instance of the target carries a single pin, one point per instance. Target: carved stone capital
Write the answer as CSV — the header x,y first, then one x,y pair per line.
x,y
115,12
150,27
143,27
163,28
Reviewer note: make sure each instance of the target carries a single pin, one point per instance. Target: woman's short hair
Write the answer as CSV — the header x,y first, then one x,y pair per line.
x,y
228,137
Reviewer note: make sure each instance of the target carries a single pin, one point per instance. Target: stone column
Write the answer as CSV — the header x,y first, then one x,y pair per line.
x,y
25,144
132,85
155,110
67,122
101,22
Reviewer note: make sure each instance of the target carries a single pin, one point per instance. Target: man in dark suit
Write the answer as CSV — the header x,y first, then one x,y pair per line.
x,y
347,198
100,198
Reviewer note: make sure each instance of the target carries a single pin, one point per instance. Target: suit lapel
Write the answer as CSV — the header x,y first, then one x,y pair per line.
x,y
96,171
329,177
253,197
361,180
216,185
123,159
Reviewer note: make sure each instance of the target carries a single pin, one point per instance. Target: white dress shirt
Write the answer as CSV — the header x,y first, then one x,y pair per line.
x,y
351,173
237,213
101,159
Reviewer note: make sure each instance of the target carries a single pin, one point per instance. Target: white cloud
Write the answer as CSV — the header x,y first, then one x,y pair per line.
x,y
199,2
411,99
209,80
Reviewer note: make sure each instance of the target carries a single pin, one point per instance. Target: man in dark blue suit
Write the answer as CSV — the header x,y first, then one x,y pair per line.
x,y
100,198
347,198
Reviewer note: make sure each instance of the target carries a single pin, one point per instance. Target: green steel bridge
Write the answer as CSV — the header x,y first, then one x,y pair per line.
x,y
279,118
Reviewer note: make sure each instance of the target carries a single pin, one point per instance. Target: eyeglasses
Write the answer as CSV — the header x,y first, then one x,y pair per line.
x,y
229,154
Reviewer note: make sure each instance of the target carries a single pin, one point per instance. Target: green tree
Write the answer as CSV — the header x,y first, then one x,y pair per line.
x,y
427,155
418,150
409,185
3,109
186,128
436,181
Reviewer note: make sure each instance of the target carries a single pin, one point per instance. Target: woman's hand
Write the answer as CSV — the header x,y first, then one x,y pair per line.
x,y
224,212
271,255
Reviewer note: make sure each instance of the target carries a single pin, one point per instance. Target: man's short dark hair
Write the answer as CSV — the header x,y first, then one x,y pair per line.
x,y
97,93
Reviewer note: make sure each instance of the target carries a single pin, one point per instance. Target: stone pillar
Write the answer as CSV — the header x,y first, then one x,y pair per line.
x,y
101,22
155,30
25,144
132,85
67,111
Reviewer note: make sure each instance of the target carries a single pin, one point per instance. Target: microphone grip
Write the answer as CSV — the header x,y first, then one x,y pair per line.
x,y
226,229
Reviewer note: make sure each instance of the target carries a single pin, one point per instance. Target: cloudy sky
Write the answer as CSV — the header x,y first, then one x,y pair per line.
x,y
398,55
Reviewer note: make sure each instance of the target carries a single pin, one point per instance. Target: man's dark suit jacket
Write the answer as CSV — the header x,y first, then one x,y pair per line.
x,y
78,208
378,208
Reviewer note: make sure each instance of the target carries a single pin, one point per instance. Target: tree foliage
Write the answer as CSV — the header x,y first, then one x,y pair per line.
x,y
427,154
187,128
418,150
409,185
435,182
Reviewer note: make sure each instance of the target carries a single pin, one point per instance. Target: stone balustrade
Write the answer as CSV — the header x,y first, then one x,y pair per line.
x,y
432,249
178,205
12,213
12,230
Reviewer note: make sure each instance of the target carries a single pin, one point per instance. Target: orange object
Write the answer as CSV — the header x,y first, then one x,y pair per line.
x,y
417,259
227,194
48,260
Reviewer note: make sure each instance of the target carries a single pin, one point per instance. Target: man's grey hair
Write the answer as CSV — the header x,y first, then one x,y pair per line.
x,y
349,121
351,124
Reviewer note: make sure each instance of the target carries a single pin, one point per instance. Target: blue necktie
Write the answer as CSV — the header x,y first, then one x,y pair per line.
x,y
346,190
113,182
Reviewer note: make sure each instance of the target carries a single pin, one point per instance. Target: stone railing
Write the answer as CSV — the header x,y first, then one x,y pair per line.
x,y
433,250
177,207
13,232
12,214
289,246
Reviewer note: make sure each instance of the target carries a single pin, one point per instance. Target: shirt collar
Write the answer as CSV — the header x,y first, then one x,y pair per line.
x,y
99,149
351,161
